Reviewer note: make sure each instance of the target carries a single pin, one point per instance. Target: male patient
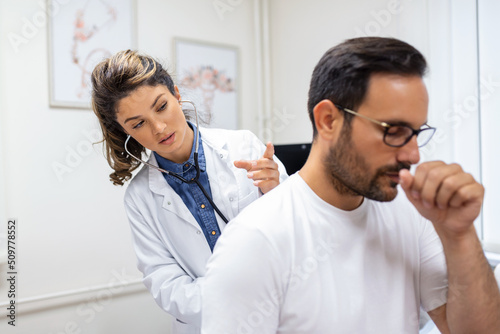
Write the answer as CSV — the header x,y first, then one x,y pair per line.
x,y
336,249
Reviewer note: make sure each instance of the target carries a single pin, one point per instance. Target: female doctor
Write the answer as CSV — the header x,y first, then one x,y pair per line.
x,y
174,221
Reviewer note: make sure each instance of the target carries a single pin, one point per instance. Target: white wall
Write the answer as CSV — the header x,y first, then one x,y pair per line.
x,y
3,217
489,48
301,34
114,307
73,233
302,31
160,21
72,229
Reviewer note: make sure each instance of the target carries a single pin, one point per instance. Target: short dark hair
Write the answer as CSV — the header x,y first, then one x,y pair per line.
x,y
343,73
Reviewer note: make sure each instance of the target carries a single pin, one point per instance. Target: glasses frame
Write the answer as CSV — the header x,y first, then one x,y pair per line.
x,y
387,126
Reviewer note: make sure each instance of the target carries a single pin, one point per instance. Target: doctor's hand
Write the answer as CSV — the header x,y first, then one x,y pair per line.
x,y
444,194
264,172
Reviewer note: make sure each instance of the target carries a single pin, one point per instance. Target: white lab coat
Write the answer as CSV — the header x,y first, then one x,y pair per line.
x,y
171,248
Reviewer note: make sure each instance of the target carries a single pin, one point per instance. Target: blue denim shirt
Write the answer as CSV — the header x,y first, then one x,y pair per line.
x,y
191,194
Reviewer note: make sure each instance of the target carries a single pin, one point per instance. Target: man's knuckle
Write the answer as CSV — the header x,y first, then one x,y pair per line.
x,y
448,184
434,174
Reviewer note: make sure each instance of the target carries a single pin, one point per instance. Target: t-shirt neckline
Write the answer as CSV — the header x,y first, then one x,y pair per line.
x,y
322,204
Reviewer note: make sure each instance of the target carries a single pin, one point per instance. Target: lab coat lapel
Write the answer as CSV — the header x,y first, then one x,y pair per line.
x,y
172,202
215,144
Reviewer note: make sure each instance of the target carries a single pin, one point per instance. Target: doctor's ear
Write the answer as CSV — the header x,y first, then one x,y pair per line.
x,y
327,119
177,94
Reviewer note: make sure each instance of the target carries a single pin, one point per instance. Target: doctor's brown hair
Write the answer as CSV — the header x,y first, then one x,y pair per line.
x,y
343,73
112,80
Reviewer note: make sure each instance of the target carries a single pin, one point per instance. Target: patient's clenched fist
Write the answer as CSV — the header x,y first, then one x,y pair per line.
x,y
446,195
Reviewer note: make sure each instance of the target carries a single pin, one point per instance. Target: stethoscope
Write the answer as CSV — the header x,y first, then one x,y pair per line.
x,y
196,164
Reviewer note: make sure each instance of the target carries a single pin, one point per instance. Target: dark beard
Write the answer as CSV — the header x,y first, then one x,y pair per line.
x,y
348,171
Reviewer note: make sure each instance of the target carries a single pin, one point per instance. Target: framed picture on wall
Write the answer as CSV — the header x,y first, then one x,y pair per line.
x,y
82,33
207,74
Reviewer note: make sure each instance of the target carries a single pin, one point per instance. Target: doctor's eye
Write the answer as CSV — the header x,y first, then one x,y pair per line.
x,y
138,125
163,106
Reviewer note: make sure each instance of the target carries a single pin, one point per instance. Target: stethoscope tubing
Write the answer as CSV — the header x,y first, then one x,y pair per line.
x,y
179,177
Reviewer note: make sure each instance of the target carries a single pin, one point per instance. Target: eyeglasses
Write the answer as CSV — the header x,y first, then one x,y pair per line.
x,y
398,135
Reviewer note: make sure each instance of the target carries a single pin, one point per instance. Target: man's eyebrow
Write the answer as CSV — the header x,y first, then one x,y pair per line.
x,y
156,100
403,123
397,122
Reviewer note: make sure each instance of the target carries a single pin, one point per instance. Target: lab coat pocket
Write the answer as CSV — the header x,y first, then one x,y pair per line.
x,y
245,201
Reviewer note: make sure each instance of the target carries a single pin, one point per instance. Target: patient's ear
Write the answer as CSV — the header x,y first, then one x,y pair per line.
x,y
327,119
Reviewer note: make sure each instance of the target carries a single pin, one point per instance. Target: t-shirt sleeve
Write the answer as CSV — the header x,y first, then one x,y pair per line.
x,y
242,293
433,272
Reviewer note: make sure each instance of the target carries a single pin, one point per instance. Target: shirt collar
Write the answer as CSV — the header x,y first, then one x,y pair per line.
x,y
180,168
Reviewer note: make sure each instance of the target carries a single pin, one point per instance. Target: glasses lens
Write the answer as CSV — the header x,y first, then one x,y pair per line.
x,y
397,135
425,136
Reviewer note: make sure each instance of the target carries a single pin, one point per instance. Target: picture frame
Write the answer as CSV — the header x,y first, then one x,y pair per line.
x,y
208,74
81,33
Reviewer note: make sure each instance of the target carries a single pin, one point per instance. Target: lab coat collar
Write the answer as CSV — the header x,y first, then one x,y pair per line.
x,y
160,186
214,139
157,183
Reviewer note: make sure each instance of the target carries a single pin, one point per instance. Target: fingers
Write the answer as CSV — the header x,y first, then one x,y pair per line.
x,y
466,194
406,179
245,164
454,190
421,175
436,184
266,185
264,171
436,180
264,178
253,165
265,162
269,153
263,174
406,182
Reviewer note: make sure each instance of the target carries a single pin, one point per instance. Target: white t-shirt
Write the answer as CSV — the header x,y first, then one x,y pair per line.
x,y
292,263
